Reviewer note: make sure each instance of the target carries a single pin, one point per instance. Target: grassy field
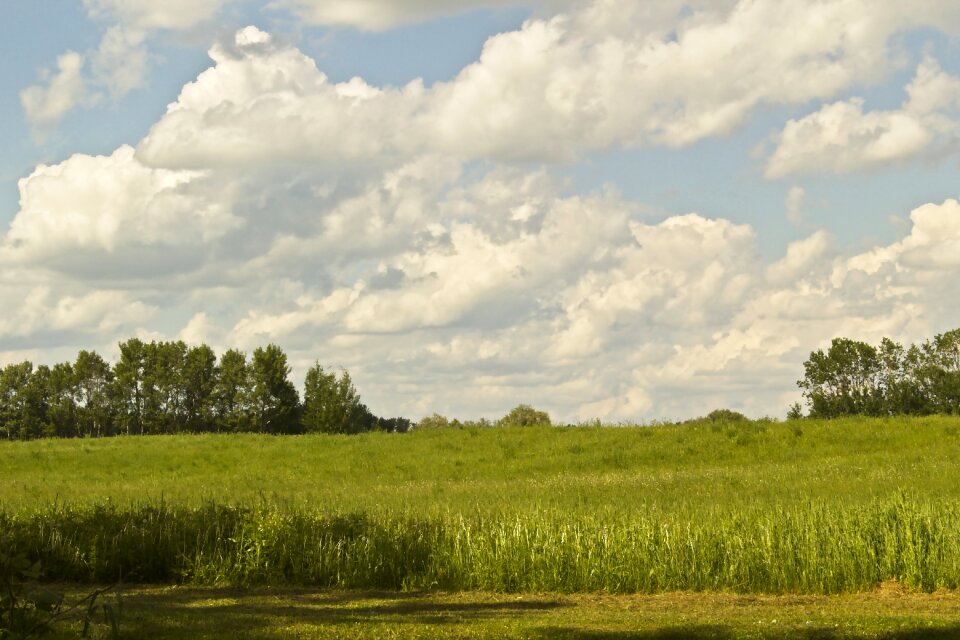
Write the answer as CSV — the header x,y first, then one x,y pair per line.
x,y
795,509
589,471
176,613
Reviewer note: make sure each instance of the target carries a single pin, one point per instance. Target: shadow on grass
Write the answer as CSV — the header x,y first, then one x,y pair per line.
x,y
216,613
264,614
712,632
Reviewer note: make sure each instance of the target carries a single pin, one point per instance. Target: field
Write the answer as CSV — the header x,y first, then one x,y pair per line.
x,y
801,509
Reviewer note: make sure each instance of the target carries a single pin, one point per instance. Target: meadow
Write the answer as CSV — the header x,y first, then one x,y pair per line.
x,y
797,507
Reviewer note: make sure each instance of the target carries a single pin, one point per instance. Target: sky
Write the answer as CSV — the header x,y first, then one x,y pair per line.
x,y
608,209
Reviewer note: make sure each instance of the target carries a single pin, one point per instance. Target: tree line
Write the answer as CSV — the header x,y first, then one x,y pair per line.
x,y
169,387
855,378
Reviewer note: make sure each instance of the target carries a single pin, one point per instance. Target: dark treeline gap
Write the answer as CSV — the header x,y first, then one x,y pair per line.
x,y
169,387
855,378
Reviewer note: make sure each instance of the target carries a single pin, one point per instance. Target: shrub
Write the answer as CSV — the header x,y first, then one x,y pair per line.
x,y
433,421
525,416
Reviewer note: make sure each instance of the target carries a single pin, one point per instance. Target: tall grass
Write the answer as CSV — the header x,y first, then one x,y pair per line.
x,y
806,507
810,548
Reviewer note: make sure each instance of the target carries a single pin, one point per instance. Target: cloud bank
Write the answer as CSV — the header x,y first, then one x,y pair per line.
x,y
417,235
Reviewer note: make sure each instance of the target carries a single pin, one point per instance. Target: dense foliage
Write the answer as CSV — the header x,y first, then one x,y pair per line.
x,y
855,378
169,387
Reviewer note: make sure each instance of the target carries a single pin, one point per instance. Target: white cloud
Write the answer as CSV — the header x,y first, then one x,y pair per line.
x,y
264,103
842,137
468,292
111,204
353,224
150,14
45,104
383,14
553,90
42,310
120,62
802,257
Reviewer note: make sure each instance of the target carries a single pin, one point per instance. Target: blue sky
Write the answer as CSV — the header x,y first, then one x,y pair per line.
x,y
603,208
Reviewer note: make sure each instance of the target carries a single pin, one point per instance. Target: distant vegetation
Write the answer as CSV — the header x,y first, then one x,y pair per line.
x,y
168,387
172,388
855,378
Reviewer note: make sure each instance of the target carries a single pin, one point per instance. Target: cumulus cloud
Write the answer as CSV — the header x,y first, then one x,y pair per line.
x,y
466,292
40,310
842,137
380,228
110,204
383,14
46,103
264,102
553,90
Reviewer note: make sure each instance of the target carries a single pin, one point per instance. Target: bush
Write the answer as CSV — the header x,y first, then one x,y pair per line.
x,y
525,416
726,415
434,421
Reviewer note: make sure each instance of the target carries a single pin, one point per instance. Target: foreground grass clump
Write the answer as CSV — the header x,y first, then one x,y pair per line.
x,y
813,548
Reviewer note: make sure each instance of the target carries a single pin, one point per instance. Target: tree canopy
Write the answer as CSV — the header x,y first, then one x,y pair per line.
x,y
170,387
855,378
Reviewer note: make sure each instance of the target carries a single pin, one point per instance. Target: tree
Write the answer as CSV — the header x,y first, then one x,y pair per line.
x,y
524,415
15,419
129,373
164,387
93,381
200,381
231,393
332,405
274,399
61,401
845,380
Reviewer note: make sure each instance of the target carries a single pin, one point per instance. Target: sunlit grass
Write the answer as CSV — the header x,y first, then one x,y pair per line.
x,y
584,470
203,613
800,507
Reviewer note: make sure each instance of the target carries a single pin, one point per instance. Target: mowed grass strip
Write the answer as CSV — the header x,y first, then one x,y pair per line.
x,y
228,613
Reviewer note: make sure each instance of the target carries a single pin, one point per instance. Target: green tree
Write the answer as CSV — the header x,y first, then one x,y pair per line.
x,y
524,415
843,381
274,399
200,381
15,418
164,387
61,401
93,378
231,393
331,404
129,373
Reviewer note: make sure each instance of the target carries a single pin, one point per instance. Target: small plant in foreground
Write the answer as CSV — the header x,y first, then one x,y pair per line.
x,y
28,611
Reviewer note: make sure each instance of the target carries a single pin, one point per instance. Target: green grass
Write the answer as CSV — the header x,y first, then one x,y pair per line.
x,y
230,613
575,470
806,507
